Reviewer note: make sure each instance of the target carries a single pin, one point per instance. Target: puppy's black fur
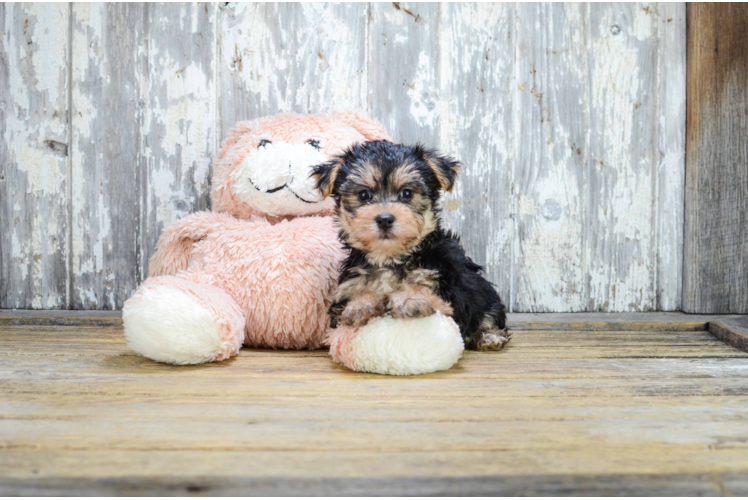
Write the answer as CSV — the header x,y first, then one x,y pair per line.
x,y
406,181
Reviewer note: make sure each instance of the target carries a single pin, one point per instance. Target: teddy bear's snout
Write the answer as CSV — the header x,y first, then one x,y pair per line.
x,y
279,173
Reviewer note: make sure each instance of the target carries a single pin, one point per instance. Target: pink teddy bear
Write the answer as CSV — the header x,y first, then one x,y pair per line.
x,y
260,269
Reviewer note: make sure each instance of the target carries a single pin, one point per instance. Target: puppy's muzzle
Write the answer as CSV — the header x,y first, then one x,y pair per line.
x,y
385,221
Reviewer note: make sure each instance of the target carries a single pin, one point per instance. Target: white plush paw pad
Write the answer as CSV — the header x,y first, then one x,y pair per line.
x,y
407,346
171,326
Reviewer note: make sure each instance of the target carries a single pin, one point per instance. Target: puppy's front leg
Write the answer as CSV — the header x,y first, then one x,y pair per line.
x,y
361,308
416,302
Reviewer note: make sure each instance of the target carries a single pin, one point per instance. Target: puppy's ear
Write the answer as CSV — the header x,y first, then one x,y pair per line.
x,y
326,174
444,168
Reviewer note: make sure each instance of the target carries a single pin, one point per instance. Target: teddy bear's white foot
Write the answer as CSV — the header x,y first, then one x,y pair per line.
x,y
176,321
393,346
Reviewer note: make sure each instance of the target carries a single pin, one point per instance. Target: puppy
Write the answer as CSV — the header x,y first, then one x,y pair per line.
x,y
402,261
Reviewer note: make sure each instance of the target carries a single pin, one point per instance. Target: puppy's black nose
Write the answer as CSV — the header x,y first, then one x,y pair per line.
x,y
385,221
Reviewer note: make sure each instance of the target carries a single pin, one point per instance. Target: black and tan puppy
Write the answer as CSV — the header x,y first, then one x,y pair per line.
x,y
401,260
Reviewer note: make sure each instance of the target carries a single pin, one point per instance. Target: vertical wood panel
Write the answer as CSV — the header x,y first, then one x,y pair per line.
x,y
109,55
403,70
569,119
476,106
33,155
622,162
553,117
672,149
307,58
180,116
716,239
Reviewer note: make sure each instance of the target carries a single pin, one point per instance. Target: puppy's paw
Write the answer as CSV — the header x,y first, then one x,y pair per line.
x,y
404,306
359,312
494,340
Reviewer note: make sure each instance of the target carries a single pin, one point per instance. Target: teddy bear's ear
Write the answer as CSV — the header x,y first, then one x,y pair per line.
x,y
444,168
326,174
367,127
236,133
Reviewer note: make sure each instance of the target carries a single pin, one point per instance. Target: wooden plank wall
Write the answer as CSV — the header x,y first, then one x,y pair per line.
x,y
570,119
716,240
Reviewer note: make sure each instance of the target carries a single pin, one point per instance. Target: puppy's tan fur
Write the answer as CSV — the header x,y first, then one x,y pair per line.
x,y
371,294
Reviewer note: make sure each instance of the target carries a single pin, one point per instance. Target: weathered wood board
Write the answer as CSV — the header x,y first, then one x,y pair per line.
x,y
732,331
179,128
34,161
283,57
108,80
569,412
635,485
480,130
552,148
620,250
672,150
569,119
716,230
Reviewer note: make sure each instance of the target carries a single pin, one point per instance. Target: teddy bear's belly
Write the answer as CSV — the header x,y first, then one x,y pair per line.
x,y
283,276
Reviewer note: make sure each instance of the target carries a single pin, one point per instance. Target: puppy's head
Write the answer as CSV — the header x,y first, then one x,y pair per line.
x,y
386,195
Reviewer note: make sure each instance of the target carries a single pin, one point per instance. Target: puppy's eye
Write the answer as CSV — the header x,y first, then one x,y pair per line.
x,y
263,143
364,195
406,195
313,143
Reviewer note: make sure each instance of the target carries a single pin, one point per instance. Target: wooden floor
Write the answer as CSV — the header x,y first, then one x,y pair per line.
x,y
661,409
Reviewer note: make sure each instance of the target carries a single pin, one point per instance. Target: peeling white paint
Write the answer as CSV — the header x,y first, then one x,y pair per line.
x,y
34,46
180,118
474,116
556,231
25,134
19,254
51,33
163,192
422,98
45,173
282,57
624,101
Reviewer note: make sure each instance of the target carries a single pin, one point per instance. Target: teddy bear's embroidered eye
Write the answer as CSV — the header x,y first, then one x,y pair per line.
x,y
264,143
364,195
313,143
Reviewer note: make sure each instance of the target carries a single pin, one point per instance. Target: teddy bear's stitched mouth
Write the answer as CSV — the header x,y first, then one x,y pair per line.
x,y
276,189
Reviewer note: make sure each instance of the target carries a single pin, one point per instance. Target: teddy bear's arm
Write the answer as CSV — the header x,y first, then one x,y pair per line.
x,y
175,244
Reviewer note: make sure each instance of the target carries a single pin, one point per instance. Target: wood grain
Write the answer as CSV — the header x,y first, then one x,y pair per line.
x,y
569,412
732,331
539,485
403,70
477,127
179,133
307,58
671,74
716,234
553,121
34,161
109,68
622,164
569,119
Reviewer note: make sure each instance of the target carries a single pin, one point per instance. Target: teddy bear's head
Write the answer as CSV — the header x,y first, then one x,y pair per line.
x,y
264,165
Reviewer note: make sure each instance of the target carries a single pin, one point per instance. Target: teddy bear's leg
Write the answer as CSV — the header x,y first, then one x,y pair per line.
x,y
178,320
